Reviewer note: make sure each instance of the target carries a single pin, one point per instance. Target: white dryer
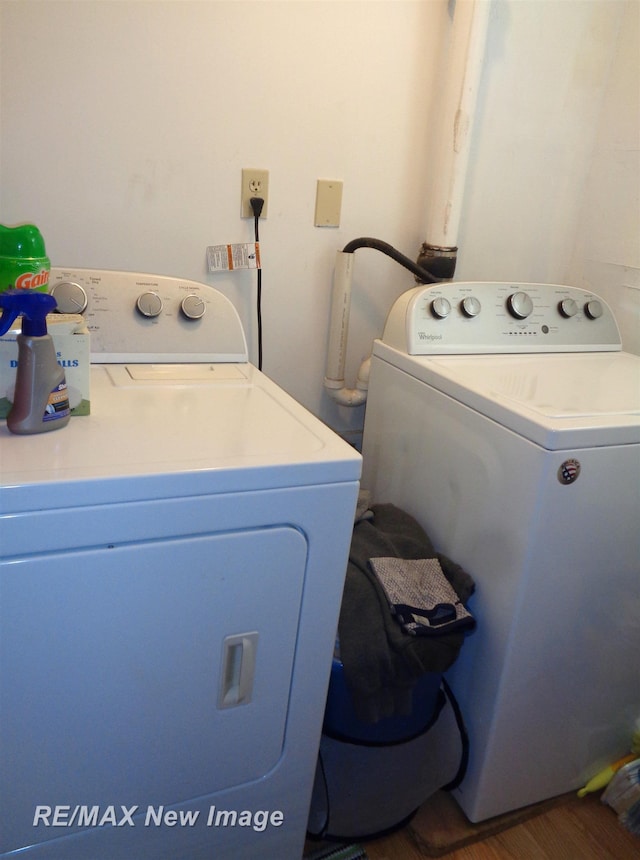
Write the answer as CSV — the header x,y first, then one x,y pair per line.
x,y
171,571
506,419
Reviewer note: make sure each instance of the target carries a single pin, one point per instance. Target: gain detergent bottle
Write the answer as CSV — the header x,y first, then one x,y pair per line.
x,y
24,264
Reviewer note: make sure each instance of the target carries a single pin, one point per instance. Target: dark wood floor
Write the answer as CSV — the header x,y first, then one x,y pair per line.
x,y
576,829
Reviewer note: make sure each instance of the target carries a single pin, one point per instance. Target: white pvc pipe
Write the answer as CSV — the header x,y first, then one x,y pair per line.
x,y
339,335
449,166
339,324
454,121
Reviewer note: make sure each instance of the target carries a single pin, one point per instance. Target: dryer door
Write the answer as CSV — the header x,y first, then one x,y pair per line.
x,y
145,673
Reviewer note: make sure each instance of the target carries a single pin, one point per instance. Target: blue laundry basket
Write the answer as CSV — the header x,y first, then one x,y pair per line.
x,y
371,778
341,722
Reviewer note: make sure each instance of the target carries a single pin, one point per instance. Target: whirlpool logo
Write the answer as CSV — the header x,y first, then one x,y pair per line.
x,y
423,335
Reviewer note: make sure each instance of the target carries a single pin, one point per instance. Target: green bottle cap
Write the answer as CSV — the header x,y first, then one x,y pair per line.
x,y
24,264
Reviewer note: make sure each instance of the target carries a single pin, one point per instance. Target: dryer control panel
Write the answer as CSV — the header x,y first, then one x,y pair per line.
x,y
459,317
141,318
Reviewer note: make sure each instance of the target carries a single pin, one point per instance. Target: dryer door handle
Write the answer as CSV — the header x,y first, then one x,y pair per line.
x,y
238,669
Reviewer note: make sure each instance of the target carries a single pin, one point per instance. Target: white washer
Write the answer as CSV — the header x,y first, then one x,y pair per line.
x,y
505,418
170,580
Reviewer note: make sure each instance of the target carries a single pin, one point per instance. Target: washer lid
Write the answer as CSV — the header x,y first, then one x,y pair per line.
x,y
559,401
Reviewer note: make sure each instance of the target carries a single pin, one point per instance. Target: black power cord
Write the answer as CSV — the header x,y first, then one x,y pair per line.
x,y
256,205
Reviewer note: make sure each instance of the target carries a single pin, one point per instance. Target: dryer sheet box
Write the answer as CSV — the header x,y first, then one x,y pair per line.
x,y
71,340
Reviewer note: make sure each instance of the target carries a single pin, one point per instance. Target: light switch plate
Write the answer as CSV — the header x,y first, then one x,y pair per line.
x,y
328,203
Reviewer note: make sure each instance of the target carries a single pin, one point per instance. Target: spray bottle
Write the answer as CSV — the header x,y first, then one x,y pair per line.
x,y
41,401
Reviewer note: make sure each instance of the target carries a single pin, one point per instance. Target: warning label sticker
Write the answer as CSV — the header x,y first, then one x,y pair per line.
x,y
226,258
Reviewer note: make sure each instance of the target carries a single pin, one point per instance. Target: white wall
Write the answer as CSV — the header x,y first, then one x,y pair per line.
x,y
545,74
606,255
124,127
554,185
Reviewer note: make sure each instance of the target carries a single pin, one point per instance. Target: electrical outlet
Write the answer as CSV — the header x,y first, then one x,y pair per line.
x,y
255,183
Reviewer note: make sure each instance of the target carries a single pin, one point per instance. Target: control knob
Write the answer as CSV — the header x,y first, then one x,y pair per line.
x,y
568,308
519,305
149,304
71,298
193,307
440,308
593,309
470,306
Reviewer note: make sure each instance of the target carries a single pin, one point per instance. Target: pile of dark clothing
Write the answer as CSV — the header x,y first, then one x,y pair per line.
x,y
402,615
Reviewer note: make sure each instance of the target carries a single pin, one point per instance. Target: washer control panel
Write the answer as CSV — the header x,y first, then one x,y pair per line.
x,y
135,317
458,317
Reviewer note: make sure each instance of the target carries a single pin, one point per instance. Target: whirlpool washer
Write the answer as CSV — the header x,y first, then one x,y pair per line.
x,y
171,571
506,419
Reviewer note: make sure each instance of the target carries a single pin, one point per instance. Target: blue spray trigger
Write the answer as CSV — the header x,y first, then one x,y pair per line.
x,y
33,307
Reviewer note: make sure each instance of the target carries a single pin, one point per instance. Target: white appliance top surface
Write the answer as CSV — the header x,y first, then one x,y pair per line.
x,y
150,436
544,360
559,401
601,385
176,409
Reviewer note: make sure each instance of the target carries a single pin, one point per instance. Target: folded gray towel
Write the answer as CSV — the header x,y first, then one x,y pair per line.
x,y
381,662
420,597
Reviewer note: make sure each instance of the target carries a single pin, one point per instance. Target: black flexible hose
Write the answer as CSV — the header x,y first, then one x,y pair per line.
x,y
425,276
